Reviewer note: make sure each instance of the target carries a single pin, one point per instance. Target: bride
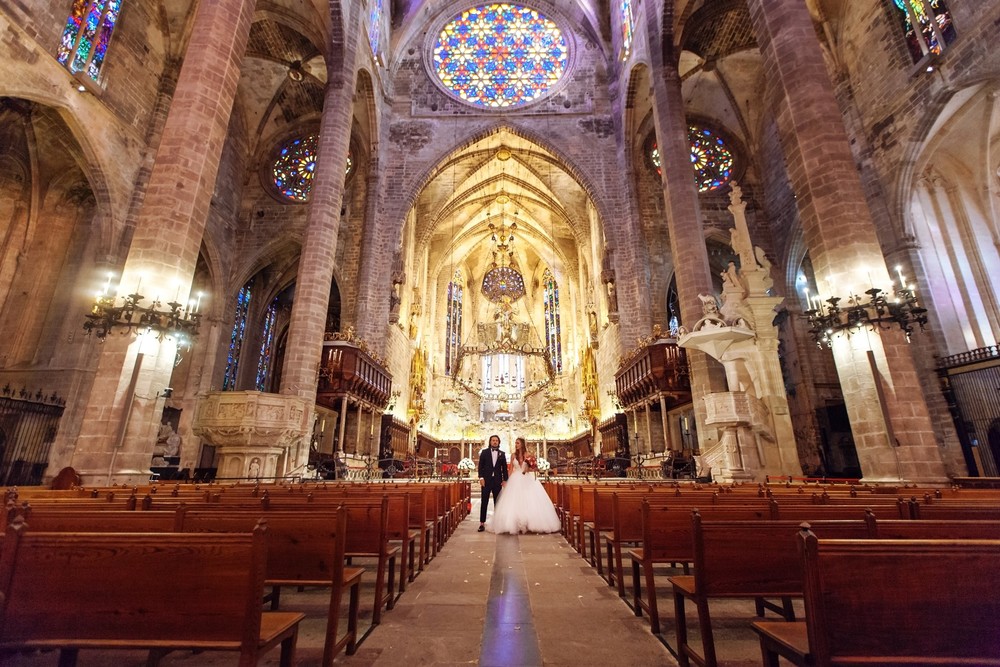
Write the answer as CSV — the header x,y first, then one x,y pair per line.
x,y
524,505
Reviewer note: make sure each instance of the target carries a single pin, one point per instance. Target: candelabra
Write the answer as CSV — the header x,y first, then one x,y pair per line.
x,y
130,315
878,311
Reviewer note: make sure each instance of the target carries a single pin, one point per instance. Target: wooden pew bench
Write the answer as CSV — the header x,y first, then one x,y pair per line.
x,y
743,559
932,529
161,592
668,538
892,603
303,549
57,520
368,537
626,522
955,511
421,520
362,524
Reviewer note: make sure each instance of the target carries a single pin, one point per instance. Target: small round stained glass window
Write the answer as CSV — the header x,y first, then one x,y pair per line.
x,y
295,166
500,55
710,157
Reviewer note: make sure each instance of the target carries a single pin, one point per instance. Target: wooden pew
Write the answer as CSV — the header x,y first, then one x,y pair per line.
x,y
367,537
668,537
571,514
932,529
303,549
601,523
626,521
72,591
57,520
919,602
743,559
786,511
586,517
954,512
422,520
398,530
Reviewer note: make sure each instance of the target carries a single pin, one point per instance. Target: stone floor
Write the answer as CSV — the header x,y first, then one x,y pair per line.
x,y
495,601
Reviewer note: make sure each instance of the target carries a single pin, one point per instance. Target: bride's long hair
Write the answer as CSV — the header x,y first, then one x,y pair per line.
x,y
520,449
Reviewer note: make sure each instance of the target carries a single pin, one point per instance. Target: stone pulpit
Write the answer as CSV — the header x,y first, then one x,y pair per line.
x,y
253,431
752,416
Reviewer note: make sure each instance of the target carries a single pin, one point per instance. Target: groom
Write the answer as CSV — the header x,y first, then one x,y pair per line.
x,y
492,476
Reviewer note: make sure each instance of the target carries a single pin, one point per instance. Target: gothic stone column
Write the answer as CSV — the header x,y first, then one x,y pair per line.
x,y
319,248
885,402
684,226
164,248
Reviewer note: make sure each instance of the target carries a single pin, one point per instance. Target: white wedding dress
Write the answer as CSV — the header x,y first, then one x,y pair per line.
x,y
524,505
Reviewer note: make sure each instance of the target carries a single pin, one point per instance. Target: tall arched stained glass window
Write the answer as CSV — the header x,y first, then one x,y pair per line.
x,y
85,38
711,159
293,170
500,55
375,25
553,340
673,308
453,323
628,25
236,338
934,29
266,346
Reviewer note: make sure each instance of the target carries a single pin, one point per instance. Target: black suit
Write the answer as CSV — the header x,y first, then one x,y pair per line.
x,y
493,477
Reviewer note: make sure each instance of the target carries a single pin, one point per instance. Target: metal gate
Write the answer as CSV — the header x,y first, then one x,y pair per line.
x,y
28,425
972,387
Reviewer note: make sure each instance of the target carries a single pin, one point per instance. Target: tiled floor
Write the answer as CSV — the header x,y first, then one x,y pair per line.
x,y
545,603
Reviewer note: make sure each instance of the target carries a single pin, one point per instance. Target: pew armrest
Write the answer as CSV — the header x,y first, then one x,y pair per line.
x,y
782,638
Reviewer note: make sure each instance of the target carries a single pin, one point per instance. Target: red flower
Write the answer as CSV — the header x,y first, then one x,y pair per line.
x,y
532,462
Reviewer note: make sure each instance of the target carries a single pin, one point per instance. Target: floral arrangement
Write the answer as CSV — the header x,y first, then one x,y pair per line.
x,y
466,464
532,462
543,465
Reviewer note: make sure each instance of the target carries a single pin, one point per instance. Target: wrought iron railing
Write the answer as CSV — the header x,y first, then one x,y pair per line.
x,y
28,425
971,357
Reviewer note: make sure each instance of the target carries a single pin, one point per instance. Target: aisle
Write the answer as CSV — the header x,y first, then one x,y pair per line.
x,y
545,602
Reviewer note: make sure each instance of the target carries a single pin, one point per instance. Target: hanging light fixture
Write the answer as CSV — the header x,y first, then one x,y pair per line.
x,y
129,314
880,310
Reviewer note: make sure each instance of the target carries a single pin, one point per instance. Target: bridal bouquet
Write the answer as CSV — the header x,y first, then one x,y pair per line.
x,y
532,462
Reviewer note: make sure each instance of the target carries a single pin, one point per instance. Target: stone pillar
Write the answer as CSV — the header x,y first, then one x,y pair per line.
x,y
373,270
988,310
649,429
684,224
165,246
341,426
884,397
319,248
668,445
